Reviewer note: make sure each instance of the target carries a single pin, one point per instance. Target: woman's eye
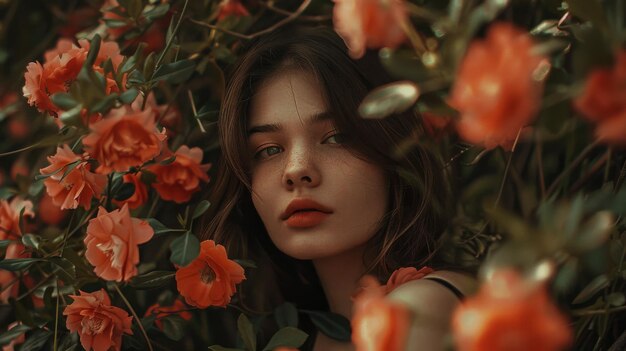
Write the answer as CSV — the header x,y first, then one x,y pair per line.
x,y
267,152
337,138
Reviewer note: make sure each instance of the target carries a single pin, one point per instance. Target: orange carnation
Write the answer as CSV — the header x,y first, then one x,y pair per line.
x,y
178,180
378,323
10,227
210,279
112,243
406,274
99,325
370,23
123,139
78,187
140,196
496,92
160,312
509,313
603,100
61,67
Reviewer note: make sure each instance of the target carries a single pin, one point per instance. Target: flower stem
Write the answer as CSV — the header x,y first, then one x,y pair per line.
x,y
571,167
132,310
171,39
56,317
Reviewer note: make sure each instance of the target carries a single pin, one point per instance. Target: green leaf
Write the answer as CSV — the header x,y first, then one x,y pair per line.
x,y
72,117
94,48
125,191
175,72
16,264
331,324
588,10
246,331
154,279
159,228
173,327
31,240
67,270
129,96
13,333
136,78
286,315
221,348
201,208
157,12
288,337
389,99
36,340
594,232
64,101
616,299
168,160
6,242
105,104
115,23
184,249
599,283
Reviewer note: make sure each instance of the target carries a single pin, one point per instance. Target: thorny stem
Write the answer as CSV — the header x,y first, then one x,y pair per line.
x,y
132,310
278,24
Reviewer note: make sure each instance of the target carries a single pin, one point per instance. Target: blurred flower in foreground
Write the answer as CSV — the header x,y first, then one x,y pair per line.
x,y
178,180
404,275
61,67
70,181
370,24
378,323
510,313
112,239
603,101
210,279
498,90
99,325
231,8
48,212
125,138
177,308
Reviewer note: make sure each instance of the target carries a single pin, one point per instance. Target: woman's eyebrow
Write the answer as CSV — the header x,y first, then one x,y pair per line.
x,y
275,127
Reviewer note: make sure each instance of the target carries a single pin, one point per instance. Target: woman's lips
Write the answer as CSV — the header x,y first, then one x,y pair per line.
x,y
306,218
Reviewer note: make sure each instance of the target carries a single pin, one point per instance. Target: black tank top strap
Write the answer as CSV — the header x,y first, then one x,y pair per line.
x,y
447,284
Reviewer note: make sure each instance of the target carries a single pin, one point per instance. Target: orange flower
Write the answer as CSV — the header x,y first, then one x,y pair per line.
x,y
406,274
177,308
49,212
78,187
61,67
10,226
377,323
16,341
99,325
496,91
210,279
140,196
509,313
178,180
603,100
231,8
436,126
370,23
9,286
123,139
112,243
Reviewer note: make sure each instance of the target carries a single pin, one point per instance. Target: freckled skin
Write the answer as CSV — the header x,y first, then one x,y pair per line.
x,y
302,159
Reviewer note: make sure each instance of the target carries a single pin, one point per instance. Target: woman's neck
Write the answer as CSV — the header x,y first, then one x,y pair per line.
x,y
339,276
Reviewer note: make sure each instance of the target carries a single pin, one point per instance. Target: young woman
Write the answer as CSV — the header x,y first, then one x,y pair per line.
x,y
318,196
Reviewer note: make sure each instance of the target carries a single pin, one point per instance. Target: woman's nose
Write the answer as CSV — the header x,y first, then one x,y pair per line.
x,y
301,169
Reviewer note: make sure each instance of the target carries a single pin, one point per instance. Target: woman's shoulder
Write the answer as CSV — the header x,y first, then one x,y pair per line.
x,y
457,284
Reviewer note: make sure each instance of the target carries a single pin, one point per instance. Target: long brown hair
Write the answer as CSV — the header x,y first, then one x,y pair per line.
x,y
411,228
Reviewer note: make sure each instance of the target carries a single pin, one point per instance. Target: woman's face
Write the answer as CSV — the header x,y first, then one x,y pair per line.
x,y
315,197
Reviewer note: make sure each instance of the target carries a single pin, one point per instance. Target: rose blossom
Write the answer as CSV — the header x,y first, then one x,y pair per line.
x,y
10,227
60,68
509,313
112,243
406,274
378,323
210,279
603,100
495,91
78,187
123,139
178,180
370,23
99,325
